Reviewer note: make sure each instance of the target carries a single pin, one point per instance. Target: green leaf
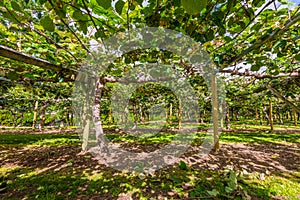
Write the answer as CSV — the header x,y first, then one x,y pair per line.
x,y
12,75
258,3
104,3
119,6
16,6
297,57
210,35
182,165
255,67
47,23
42,1
77,14
214,192
193,6
62,12
100,34
83,27
10,17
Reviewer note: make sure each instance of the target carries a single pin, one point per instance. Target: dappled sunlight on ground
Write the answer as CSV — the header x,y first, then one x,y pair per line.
x,y
50,167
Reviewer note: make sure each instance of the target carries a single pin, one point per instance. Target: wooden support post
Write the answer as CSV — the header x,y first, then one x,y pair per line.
x,y
295,117
171,113
179,114
36,106
271,116
215,112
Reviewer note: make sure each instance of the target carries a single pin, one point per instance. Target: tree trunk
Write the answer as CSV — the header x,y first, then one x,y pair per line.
x,y
232,113
237,115
256,114
260,117
179,114
171,113
266,115
134,115
215,113
227,119
271,116
110,117
43,113
141,112
36,106
97,117
295,117
202,116
167,119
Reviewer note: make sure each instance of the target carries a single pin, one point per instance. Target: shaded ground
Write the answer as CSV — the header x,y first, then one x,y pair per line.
x,y
51,167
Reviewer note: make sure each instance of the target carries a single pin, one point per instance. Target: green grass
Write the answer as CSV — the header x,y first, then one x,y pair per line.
x,y
163,138
39,139
260,137
282,185
76,178
71,182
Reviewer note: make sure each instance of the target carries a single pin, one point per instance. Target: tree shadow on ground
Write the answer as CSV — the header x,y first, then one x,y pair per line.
x,y
61,172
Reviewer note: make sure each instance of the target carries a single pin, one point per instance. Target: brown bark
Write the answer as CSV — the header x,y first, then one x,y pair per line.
x,y
215,113
295,117
171,112
21,57
135,117
227,119
256,113
267,115
97,116
179,114
271,116
276,93
35,114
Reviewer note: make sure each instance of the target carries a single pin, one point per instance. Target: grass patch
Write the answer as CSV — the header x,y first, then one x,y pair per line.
x,y
260,137
39,139
280,186
171,182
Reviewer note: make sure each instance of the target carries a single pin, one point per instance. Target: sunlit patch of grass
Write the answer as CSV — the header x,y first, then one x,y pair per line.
x,y
172,182
254,124
284,186
39,139
260,137
4,170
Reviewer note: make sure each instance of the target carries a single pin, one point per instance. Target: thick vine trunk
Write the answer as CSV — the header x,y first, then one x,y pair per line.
x,y
179,114
256,114
215,113
135,117
43,117
266,115
227,119
171,113
43,113
36,106
271,116
96,117
295,117
279,117
141,113
85,127
110,117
